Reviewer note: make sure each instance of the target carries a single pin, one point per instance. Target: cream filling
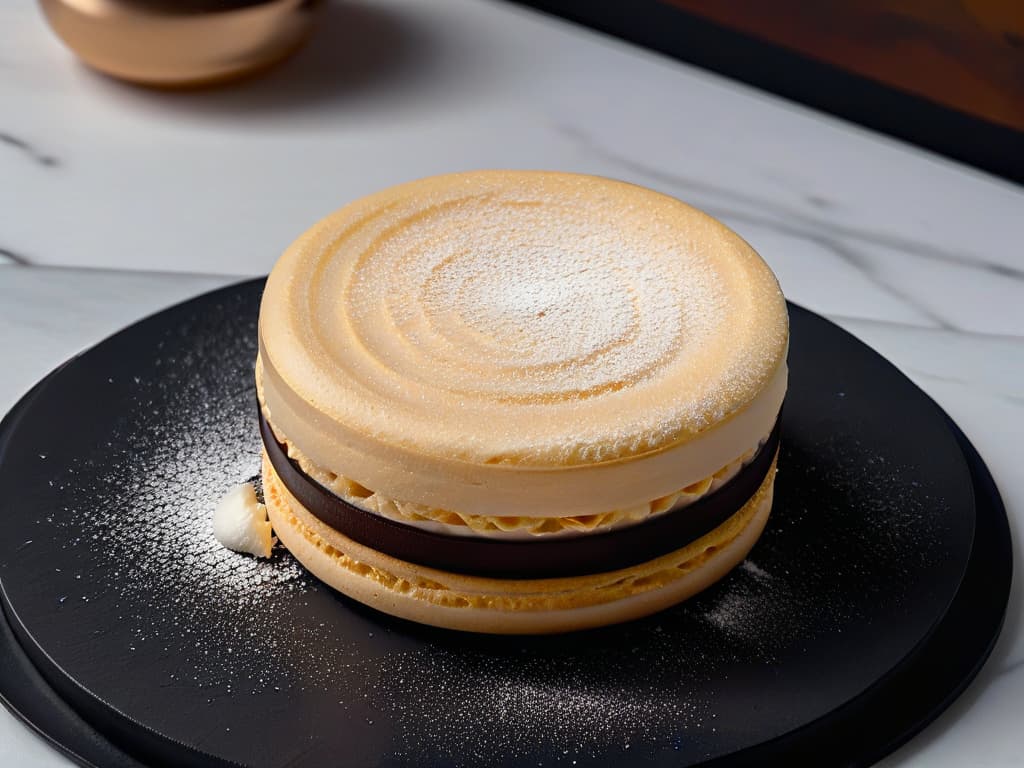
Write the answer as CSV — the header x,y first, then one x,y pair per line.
x,y
240,522
498,491
440,588
516,527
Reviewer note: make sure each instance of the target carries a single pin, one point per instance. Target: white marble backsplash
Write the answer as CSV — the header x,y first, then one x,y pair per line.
x,y
100,174
125,200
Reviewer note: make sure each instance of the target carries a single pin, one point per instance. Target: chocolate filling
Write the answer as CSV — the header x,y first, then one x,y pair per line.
x,y
580,555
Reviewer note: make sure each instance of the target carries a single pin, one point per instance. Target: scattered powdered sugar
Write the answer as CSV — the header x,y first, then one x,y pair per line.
x,y
244,642
226,625
759,574
867,533
143,504
521,703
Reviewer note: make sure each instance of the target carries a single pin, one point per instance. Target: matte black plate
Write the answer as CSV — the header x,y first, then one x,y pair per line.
x,y
180,652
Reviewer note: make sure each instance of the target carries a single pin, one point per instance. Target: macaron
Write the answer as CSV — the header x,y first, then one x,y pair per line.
x,y
520,401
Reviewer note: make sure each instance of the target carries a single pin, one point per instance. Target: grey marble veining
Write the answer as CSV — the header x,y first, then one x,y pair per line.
x,y
28,150
870,252
10,257
852,222
765,212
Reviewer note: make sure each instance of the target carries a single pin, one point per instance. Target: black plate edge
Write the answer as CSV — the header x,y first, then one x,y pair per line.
x,y
23,690
998,569
117,728
823,730
19,644
30,699
68,733
926,668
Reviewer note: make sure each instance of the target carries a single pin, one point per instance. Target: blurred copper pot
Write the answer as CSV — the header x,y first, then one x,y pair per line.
x,y
171,43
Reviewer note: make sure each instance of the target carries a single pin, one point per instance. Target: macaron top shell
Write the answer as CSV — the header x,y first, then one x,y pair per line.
x,y
488,339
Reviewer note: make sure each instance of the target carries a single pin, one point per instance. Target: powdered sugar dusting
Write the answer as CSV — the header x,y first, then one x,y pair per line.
x,y
527,304
545,706
150,513
619,319
535,302
110,560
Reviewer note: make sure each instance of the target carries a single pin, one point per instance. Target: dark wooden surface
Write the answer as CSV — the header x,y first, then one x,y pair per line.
x,y
945,75
964,54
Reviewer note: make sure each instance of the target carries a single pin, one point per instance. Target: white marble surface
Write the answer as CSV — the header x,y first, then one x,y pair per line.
x,y
919,257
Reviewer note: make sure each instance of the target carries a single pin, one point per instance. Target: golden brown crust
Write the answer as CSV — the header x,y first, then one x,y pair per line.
x,y
504,606
467,341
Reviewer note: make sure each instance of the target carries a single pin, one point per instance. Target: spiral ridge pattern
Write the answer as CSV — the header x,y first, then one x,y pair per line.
x,y
518,319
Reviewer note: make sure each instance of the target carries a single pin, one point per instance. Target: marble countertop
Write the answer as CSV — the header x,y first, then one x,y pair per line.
x,y
117,201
